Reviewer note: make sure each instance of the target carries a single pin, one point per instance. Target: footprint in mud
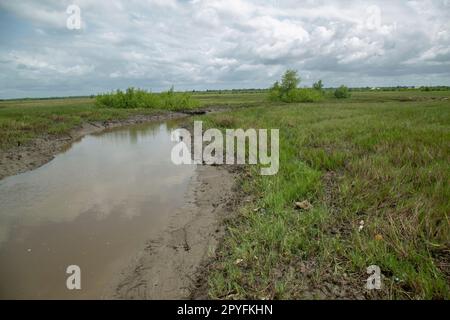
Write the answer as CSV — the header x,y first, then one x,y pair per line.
x,y
179,239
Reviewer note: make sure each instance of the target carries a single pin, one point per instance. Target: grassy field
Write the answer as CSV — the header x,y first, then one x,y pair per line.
x,y
22,120
384,163
378,157
232,99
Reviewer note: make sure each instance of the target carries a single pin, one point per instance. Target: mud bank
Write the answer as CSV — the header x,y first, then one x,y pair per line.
x,y
169,266
41,150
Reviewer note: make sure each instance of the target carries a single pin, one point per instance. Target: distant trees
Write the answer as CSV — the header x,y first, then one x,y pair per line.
x,y
287,90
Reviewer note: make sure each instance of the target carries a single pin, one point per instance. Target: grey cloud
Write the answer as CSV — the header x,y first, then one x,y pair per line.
x,y
222,44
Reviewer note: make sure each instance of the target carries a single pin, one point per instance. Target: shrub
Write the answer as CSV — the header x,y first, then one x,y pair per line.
x,y
284,91
289,81
275,92
137,98
342,92
318,85
302,95
287,90
308,95
178,101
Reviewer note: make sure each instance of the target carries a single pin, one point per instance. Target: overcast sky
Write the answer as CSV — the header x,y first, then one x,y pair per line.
x,y
209,44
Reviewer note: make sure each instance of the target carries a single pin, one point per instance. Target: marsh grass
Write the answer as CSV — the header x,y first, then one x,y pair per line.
x,y
21,121
386,164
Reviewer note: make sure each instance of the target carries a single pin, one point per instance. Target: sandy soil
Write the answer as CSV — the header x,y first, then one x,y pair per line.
x,y
41,150
170,265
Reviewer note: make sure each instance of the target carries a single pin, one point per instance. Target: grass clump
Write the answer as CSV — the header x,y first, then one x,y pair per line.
x,y
138,98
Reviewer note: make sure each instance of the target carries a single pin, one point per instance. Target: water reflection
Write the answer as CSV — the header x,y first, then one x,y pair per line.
x,y
93,205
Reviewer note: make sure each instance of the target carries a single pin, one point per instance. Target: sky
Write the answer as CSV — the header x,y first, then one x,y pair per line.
x,y
219,44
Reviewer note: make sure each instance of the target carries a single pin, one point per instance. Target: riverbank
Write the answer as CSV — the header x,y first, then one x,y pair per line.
x,y
167,265
170,266
43,148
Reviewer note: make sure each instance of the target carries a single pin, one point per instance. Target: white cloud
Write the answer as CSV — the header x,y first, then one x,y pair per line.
x,y
214,43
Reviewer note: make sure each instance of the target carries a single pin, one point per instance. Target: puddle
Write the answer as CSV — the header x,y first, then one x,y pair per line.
x,y
94,206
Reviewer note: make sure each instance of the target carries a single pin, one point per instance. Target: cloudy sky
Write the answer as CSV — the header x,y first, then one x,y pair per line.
x,y
208,44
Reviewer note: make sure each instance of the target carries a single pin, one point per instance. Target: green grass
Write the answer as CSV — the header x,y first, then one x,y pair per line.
x,y
381,157
232,99
384,163
23,120
402,96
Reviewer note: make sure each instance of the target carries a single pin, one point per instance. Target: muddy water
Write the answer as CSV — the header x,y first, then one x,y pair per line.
x,y
94,206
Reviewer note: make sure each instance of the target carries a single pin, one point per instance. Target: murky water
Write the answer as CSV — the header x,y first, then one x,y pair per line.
x,y
93,206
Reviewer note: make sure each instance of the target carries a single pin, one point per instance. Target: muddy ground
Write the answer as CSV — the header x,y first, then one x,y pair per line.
x,y
43,149
169,266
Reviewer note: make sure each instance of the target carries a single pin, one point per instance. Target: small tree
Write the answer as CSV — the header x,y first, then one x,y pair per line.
x,y
287,90
342,92
289,81
318,85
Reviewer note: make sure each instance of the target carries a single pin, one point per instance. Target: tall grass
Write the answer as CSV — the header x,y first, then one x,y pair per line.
x,y
384,164
138,98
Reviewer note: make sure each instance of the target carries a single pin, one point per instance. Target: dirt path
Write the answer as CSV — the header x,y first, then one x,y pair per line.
x,y
168,266
43,149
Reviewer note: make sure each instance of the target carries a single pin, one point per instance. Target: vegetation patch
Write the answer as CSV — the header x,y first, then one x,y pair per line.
x,y
342,92
287,90
377,179
137,98
24,120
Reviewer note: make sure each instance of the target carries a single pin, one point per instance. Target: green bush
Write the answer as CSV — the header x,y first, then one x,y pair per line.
x,y
289,81
318,85
178,101
287,90
342,92
301,95
138,98
308,95
275,92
